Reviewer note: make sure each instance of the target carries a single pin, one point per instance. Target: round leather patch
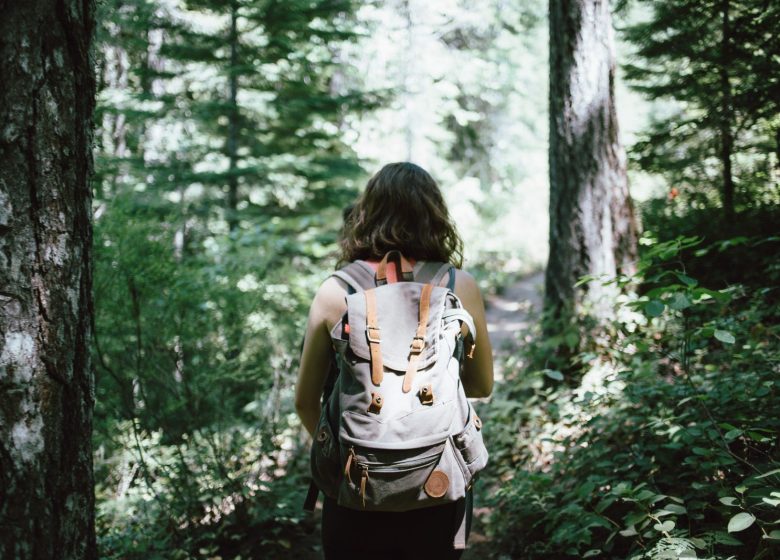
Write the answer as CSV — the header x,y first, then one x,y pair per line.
x,y
437,484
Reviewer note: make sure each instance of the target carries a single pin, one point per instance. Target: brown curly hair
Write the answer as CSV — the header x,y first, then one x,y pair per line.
x,y
401,208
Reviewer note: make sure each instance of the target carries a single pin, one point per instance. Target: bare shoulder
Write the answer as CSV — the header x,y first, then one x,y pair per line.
x,y
466,285
329,303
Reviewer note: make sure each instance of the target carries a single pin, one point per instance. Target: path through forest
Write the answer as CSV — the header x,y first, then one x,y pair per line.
x,y
513,310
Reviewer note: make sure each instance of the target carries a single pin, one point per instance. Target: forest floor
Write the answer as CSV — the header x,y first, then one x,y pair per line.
x,y
513,309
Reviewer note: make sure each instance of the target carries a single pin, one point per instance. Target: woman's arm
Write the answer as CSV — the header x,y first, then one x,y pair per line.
x,y
477,374
326,310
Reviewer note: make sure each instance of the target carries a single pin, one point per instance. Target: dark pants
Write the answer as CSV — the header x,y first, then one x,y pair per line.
x,y
421,533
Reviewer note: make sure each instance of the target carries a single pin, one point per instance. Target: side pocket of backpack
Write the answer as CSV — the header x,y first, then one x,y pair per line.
x,y
471,446
325,461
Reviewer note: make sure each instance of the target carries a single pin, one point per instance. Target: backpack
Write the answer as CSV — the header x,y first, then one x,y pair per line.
x,y
396,431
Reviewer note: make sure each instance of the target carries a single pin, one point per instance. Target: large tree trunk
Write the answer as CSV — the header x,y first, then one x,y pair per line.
x,y
47,92
592,228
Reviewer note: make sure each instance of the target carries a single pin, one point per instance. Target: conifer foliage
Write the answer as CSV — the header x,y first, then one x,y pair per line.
x,y
718,61
221,162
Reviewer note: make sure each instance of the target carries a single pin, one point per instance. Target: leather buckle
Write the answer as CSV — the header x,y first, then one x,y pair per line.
x,y
372,338
376,403
426,394
418,343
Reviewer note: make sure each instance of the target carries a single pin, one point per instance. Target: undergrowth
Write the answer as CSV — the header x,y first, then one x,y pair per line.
x,y
667,445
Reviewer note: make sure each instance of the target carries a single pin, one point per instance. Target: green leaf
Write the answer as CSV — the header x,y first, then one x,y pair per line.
x,y
728,501
685,279
679,302
674,508
732,434
725,336
756,436
572,339
664,527
591,553
630,532
697,542
654,308
724,538
553,374
740,522
774,535
770,473
584,280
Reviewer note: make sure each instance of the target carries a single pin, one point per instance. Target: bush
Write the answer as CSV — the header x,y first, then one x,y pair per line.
x,y
668,446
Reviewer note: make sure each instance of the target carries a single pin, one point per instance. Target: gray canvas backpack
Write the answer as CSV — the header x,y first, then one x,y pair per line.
x,y
397,432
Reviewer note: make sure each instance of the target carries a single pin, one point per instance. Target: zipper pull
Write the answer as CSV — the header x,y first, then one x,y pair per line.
x,y
363,479
350,457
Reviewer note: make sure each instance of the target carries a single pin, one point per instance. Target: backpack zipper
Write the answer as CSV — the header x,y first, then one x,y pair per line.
x,y
398,466
376,467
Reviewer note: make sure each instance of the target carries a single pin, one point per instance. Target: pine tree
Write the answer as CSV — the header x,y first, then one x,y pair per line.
x,y
222,162
719,60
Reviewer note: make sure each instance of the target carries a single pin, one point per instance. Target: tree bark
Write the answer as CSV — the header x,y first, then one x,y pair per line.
x,y
726,112
232,133
47,96
592,227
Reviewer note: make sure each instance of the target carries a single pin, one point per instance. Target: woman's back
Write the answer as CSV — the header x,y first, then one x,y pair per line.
x,y
401,209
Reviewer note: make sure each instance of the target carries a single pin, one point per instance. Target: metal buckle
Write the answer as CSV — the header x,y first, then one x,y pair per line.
x,y
371,338
418,343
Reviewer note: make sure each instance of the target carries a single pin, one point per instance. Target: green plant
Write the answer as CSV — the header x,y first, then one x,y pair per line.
x,y
668,445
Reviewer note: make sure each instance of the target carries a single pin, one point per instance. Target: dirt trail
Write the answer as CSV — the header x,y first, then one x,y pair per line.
x,y
513,310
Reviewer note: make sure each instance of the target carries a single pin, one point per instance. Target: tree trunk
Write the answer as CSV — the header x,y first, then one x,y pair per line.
x,y
726,112
232,137
47,96
592,228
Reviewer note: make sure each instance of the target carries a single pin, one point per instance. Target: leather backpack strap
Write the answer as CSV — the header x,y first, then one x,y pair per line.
x,y
401,264
374,339
418,342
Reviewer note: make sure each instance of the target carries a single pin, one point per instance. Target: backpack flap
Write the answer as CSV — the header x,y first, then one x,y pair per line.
x,y
397,315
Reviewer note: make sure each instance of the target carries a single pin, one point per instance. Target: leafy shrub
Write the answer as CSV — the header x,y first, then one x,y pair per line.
x,y
215,495
668,445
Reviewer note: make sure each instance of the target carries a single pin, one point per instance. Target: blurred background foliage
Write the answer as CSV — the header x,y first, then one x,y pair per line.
x,y
232,133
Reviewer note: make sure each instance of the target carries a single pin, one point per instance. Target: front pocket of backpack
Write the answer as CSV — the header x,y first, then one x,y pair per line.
x,y
387,480
325,462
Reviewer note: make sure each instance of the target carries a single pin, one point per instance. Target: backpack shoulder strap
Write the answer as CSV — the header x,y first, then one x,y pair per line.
x,y
358,275
433,272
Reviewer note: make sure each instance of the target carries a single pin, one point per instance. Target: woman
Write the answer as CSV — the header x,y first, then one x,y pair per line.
x,y
401,208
